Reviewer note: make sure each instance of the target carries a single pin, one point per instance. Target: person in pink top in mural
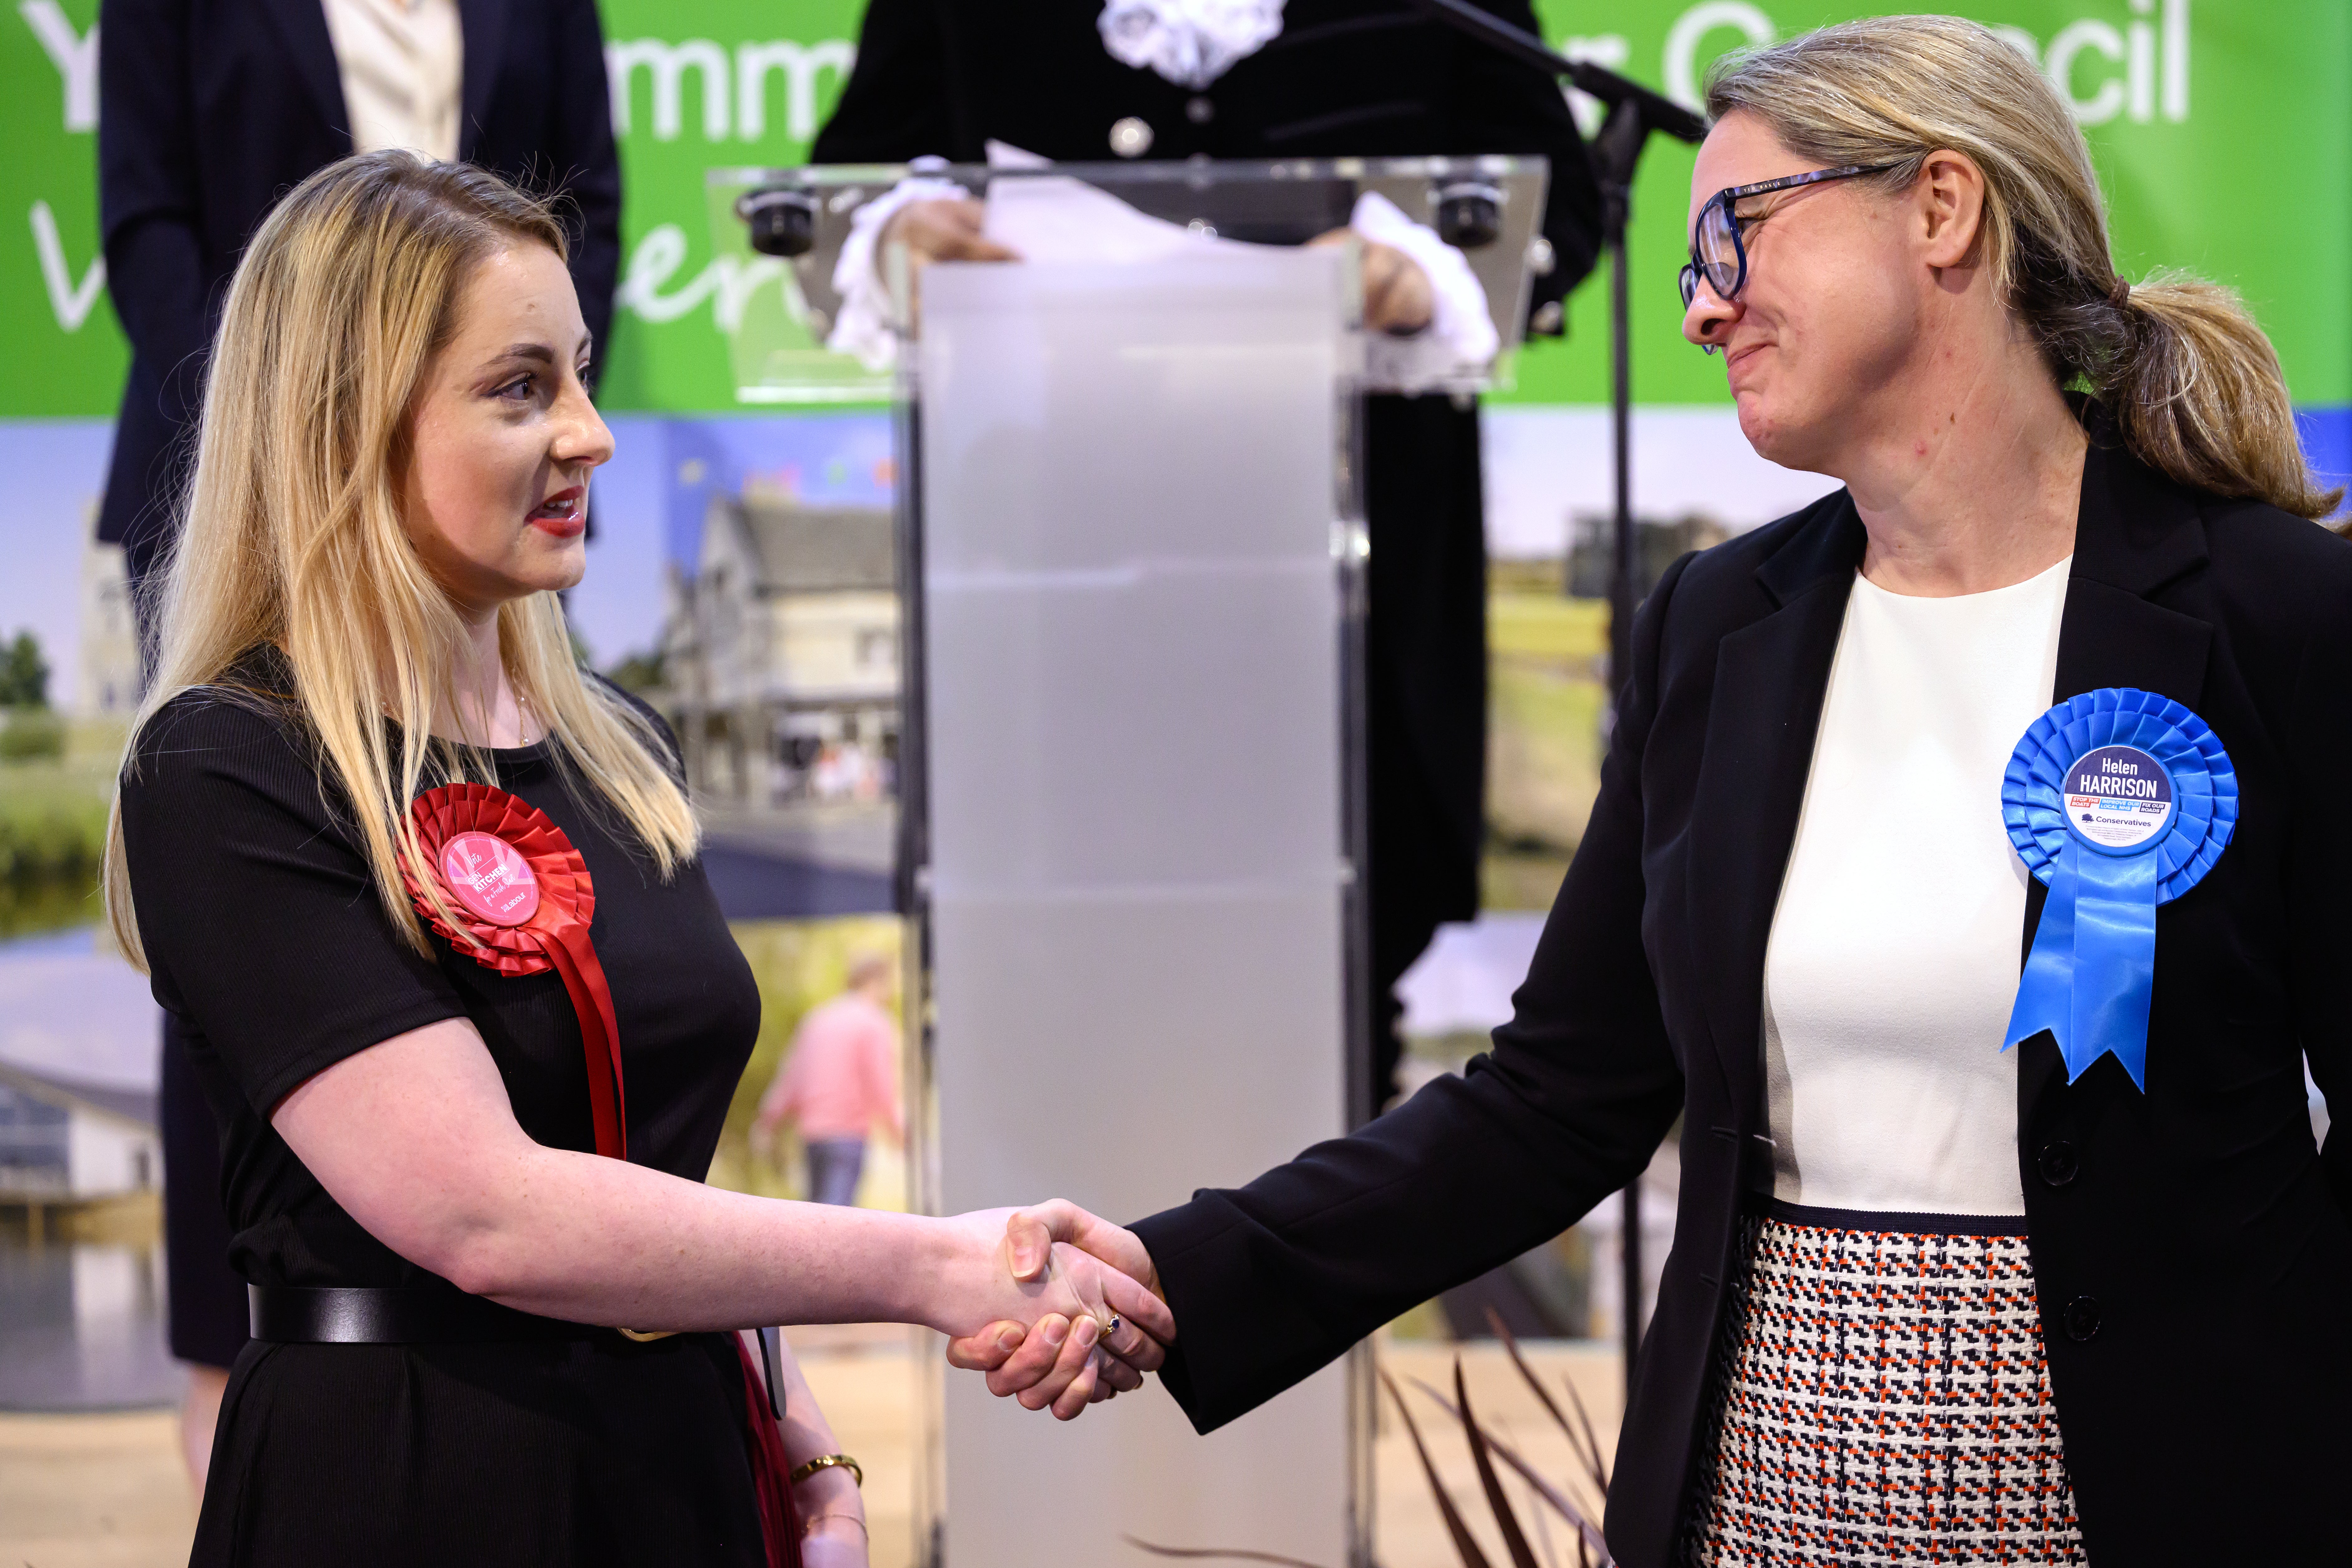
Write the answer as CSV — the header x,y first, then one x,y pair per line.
x,y
839,1079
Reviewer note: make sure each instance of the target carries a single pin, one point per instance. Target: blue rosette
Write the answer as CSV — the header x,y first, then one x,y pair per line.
x,y
2118,800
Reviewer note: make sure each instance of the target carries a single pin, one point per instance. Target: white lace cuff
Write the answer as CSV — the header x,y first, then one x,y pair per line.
x,y
1460,340
862,326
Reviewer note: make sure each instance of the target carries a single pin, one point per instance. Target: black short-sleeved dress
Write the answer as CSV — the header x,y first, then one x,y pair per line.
x,y
269,945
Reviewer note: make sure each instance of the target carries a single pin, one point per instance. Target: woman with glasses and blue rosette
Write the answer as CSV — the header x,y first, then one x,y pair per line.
x,y
1967,876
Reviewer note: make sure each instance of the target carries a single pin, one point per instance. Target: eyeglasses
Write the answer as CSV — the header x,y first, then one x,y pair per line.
x,y
1717,252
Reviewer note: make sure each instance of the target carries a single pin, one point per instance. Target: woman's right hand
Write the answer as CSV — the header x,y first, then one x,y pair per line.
x,y
1007,1280
1044,1364
944,229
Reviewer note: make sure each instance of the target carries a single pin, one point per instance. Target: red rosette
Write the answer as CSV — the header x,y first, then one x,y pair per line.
x,y
522,901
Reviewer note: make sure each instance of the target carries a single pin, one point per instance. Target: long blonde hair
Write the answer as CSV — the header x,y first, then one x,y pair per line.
x,y
2193,385
292,537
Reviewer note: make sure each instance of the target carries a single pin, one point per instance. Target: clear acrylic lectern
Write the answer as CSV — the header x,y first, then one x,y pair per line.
x,y
1132,565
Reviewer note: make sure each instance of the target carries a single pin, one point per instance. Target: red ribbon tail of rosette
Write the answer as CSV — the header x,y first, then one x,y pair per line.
x,y
520,900
515,895
771,1470
567,947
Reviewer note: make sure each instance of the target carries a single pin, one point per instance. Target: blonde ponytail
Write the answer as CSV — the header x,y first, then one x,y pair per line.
x,y
2197,392
2192,383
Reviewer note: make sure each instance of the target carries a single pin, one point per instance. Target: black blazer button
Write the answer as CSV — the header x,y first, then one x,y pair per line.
x,y
2057,1162
2082,1317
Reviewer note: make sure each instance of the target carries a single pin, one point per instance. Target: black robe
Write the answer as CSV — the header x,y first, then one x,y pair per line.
x,y
1344,78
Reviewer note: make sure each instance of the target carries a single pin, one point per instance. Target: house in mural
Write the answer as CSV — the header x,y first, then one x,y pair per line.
x,y
64,1141
108,672
781,653
78,1081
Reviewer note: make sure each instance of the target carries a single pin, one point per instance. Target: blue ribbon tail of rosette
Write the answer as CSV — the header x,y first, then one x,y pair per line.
x,y
2114,963
2046,993
2091,969
2091,973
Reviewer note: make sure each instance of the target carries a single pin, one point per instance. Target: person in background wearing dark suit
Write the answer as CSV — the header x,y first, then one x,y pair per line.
x,y
1076,81
209,111
1968,1268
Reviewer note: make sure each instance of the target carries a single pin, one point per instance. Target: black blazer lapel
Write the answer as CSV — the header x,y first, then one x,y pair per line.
x,y
482,24
2135,535
1771,679
303,27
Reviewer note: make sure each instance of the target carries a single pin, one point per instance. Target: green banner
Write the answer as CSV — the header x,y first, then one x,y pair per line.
x,y
697,85
2220,131
65,354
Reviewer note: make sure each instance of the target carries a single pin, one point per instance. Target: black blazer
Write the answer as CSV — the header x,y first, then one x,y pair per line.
x,y
211,109
2190,1244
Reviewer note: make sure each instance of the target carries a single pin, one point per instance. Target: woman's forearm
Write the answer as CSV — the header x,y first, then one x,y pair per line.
x,y
601,1241
415,1137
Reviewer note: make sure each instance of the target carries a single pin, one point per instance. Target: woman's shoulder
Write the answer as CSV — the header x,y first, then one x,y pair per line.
x,y
2283,570
250,704
239,736
1726,585
671,755
2254,535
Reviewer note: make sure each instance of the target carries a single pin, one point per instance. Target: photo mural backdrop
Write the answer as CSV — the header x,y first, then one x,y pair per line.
x,y
2220,133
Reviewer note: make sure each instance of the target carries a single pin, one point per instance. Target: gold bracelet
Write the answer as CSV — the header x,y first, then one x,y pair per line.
x,y
814,1519
826,1462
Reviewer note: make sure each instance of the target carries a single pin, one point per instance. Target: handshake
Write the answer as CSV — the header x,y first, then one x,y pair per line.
x,y
1077,1317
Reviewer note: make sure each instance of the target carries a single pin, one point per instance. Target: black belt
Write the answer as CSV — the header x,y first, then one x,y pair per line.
x,y
431,1315
413,1315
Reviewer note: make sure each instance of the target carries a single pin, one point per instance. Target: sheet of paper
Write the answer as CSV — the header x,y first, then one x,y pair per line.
x,y
1005,155
1052,217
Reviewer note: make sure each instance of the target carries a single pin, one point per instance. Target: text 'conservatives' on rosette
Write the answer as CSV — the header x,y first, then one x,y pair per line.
x,y
2119,800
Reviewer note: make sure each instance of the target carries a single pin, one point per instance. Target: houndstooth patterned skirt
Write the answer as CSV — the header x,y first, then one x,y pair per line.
x,y
1883,1399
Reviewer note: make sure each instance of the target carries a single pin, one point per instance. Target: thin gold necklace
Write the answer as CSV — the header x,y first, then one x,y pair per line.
x,y
530,716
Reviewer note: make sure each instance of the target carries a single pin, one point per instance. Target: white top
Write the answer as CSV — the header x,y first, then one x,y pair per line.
x,y
1894,958
402,68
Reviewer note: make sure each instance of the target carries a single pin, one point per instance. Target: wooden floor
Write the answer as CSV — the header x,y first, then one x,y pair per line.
x,y
93,1491
107,1491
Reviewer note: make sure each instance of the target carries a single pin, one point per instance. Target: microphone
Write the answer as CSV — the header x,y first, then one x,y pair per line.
x,y
1658,112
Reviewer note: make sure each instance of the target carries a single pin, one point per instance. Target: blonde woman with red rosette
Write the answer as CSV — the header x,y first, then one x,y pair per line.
x,y
426,899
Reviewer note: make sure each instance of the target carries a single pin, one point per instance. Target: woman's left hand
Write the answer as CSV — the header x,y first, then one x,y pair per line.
x,y
834,1542
833,1521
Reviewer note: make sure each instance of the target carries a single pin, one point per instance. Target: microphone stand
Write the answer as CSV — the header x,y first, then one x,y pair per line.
x,y
1634,112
